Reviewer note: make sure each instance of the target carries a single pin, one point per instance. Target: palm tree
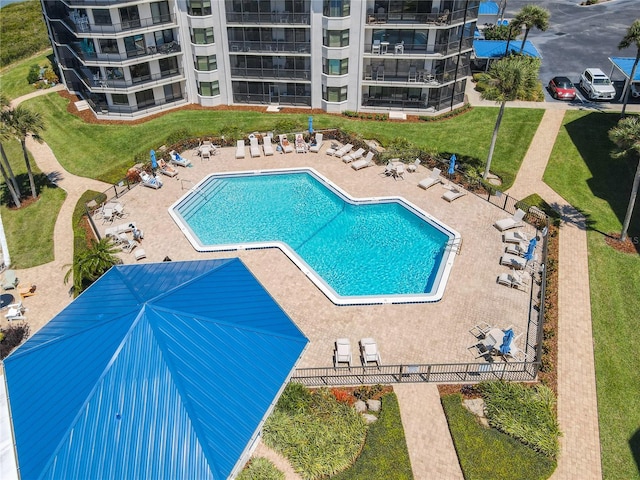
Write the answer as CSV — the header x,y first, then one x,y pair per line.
x,y
631,38
626,135
12,185
89,265
509,78
22,122
531,16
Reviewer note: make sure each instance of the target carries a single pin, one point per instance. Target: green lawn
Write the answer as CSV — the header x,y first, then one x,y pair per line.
x,y
13,80
582,171
29,230
22,31
106,151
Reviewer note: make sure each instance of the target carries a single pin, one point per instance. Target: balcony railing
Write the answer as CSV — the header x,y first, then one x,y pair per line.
x,y
98,82
267,47
100,107
80,23
149,51
271,73
300,100
442,18
408,49
269,18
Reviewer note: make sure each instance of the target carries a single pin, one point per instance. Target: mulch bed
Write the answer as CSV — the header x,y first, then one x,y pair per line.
x,y
613,240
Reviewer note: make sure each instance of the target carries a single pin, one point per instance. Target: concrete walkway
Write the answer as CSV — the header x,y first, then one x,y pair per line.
x,y
428,439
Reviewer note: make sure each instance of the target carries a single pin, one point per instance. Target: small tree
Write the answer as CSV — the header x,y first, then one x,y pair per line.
x,y
91,264
631,38
626,135
34,74
531,16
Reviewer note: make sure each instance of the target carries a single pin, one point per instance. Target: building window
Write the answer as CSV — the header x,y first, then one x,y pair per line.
x,y
202,36
168,66
135,46
334,94
140,72
130,17
108,45
206,64
119,99
172,92
209,89
335,66
336,8
160,12
165,36
199,7
335,38
145,98
101,17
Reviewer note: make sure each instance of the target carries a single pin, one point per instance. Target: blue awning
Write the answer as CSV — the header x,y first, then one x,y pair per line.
x,y
159,370
488,8
625,65
491,49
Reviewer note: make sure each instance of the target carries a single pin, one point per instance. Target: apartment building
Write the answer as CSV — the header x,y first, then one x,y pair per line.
x,y
134,58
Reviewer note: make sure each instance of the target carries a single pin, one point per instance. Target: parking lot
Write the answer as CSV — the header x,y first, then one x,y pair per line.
x,y
581,37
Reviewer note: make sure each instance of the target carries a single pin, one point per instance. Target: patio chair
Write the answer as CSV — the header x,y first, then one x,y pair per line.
x,y
150,181
411,168
285,144
15,311
167,169
240,150
511,222
513,280
122,228
517,248
353,156
301,145
363,162
129,246
205,152
27,291
254,147
516,236
398,172
267,146
369,351
431,180
176,159
480,330
139,254
342,353
375,46
341,152
315,147
513,261
10,280
454,194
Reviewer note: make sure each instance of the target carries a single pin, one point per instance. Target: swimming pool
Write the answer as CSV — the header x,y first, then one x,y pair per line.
x,y
357,251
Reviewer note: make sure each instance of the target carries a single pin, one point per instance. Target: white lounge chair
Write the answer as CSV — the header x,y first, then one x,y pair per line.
x,y
139,254
513,280
315,148
254,147
118,229
342,353
301,145
511,222
453,194
285,144
431,180
343,151
167,169
15,311
369,351
150,181
516,236
267,146
353,156
10,280
411,168
176,159
517,248
129,246
363,162
514,261
240,151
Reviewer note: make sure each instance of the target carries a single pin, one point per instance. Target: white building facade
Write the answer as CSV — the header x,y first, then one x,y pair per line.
x,y
129,59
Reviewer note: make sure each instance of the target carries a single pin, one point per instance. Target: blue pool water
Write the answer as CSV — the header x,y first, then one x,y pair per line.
x,y
364,249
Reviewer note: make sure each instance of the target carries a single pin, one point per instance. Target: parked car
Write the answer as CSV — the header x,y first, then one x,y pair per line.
x,y
635,90
562,88
597,85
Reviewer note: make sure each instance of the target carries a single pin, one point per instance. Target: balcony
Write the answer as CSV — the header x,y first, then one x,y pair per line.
x,y
271,73
151,51
276,46
98,83
444,18
100,107
283,99
279,18
387,49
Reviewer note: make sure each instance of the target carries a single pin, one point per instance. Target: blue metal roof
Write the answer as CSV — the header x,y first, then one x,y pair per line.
x,y
496,48
488,8
161,370
625,65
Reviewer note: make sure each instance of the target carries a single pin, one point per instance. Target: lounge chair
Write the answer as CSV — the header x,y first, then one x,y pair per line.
x,y
517,248
301,145
10,280
414,166
150,181
315,147
453,194
176,159
363,162
513,261
285,144
205,152
353,156
254,147
513,280
15,312
167,169
27,291
369,351
343,151
129,246
516,236
431,180
240,150
511,222
139,254
267,146
342,353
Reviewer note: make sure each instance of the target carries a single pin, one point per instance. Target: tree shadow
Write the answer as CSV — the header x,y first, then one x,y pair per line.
x,y
611,178
634,444
41,180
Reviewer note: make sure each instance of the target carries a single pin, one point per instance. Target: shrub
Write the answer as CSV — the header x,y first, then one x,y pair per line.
x,y
260,468
12,336
288,125
34,74
368,392
526,413
343,396
296,398
177,136
50,76
350,113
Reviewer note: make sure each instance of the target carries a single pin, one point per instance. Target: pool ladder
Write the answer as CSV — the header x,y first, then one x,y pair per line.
x,y
455,245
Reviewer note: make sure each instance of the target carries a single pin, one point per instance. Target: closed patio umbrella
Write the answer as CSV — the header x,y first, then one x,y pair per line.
x,y
531,249
505,348
452,164
154,162
310,125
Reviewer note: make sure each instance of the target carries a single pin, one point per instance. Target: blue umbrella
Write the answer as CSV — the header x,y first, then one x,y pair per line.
x,y
154,162
506,342
310,125
452,164
531,249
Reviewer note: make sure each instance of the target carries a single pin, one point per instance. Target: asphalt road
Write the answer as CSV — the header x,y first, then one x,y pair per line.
x,y
581,37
